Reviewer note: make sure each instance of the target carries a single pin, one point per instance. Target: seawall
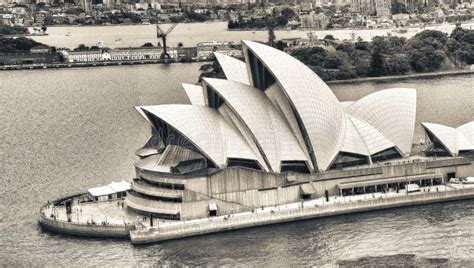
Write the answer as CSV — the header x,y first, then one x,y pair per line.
x,y
81,229
403,77
207,226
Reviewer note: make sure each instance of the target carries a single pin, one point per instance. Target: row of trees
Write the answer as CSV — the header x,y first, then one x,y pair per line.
x,y
17,45
389,55
274,21
385,55
12,30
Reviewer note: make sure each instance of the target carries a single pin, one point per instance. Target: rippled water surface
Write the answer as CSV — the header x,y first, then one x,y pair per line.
x,y
63,131
192,33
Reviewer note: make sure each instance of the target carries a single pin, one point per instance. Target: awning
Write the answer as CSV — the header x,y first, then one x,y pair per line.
x,y
144,152
212,207
351,185
101,191
120,186
307,188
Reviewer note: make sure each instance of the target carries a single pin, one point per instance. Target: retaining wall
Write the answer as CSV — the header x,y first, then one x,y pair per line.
x,y
255,219
64,227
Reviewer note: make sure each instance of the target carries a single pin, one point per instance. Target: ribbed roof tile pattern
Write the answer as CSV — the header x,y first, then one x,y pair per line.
x,y
236,123
270,131
453,139
353,142
234,69
392,112
316,105
206,129
195,94
468,131
373,139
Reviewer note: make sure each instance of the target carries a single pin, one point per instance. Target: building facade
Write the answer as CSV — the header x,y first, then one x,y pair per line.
x,y
272,132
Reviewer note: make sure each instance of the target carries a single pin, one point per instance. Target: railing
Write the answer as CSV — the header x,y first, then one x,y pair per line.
x,y
131,197
149,189
281,215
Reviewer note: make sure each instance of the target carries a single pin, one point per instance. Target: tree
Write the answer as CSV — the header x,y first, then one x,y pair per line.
x,y
81,47
180,44
147,44
271,35
397,64
280,45
44,28
21,44
329,37
377,63
361,44
398,8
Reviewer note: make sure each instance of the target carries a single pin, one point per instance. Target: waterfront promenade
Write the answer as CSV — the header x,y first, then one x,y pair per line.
x,y
300,211
113,219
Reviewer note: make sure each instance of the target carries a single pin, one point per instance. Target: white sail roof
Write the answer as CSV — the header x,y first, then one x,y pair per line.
x,y
320,112
453,139
195,94
467,131
392,112
206,129
234,69
353,142
269,130
312,125
373,139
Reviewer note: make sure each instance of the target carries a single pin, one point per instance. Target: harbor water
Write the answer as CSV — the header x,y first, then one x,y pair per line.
x,y
191,34
66,130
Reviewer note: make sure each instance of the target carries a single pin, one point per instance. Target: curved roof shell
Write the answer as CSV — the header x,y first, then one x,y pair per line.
x,y
207,130
195,94
392,112
234,69
453,139
468,132
273,108
374,140
321,115
269,130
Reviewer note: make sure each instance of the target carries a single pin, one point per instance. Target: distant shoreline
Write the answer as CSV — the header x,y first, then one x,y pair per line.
x,y
143,62
403,77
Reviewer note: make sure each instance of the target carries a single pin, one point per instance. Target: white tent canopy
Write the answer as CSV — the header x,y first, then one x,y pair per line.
x,y
112,188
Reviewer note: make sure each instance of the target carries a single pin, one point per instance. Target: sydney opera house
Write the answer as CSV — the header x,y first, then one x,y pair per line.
x,y
272,133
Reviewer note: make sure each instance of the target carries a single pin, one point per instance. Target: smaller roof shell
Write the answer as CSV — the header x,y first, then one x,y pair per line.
x,y
234,69
195,94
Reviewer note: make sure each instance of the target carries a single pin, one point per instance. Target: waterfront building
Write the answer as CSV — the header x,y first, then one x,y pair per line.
x,y
449,141
273,133
92,55
126,54
383,8
205,50
123,54
314,21
363,7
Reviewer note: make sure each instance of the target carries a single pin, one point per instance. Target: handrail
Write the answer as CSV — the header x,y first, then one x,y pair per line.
x,y
266,213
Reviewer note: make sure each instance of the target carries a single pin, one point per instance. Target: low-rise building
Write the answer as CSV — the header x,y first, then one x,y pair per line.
x,y
84,55
205,50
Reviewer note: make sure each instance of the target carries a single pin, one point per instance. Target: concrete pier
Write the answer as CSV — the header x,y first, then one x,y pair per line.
x,y
300,211
112,219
